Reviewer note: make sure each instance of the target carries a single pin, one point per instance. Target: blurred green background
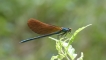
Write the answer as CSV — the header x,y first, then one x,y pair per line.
x,y
14,15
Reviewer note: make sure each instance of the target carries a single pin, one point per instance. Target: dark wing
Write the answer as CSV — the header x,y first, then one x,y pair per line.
x,y
42,28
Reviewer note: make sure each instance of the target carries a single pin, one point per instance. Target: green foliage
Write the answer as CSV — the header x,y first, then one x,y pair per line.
x,y
65,49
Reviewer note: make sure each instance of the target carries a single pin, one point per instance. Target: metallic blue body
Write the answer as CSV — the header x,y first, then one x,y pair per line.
x,y
61,32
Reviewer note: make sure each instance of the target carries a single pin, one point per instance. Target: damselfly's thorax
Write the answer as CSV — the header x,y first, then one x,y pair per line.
x,y
66,29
